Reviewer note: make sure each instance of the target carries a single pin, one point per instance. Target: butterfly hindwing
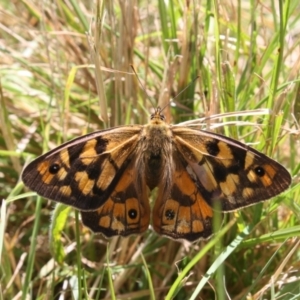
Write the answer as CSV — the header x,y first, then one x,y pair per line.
x,y
126,211
84,172
185,214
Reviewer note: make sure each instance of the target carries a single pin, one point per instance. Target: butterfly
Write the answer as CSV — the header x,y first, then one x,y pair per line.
x,y
107,176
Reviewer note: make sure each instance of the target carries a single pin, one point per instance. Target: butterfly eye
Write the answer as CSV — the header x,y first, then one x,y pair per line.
x,y
170,214
53,169
132,213
259,171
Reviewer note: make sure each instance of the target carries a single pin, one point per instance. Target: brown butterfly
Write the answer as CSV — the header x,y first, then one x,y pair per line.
x,y
107,176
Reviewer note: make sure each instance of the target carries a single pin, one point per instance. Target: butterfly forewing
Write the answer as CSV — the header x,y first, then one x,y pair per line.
x,y
84,172
230,174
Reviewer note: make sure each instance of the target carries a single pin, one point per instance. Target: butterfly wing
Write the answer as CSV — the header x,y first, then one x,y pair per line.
x,y
95,174
213,171
232,174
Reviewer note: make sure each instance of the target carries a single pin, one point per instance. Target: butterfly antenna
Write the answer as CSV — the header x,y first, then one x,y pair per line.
x,y
181,92
141,84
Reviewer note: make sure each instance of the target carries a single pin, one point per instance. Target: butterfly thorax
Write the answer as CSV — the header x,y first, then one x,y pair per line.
x,y
157,149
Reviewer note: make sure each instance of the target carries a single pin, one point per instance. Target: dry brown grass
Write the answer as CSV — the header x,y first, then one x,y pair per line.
x,y
66,70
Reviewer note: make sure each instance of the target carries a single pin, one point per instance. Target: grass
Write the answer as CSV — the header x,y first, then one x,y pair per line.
x,y
66,67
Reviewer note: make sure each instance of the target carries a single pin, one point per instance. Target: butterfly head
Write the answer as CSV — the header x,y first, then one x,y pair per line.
x,y
157,116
